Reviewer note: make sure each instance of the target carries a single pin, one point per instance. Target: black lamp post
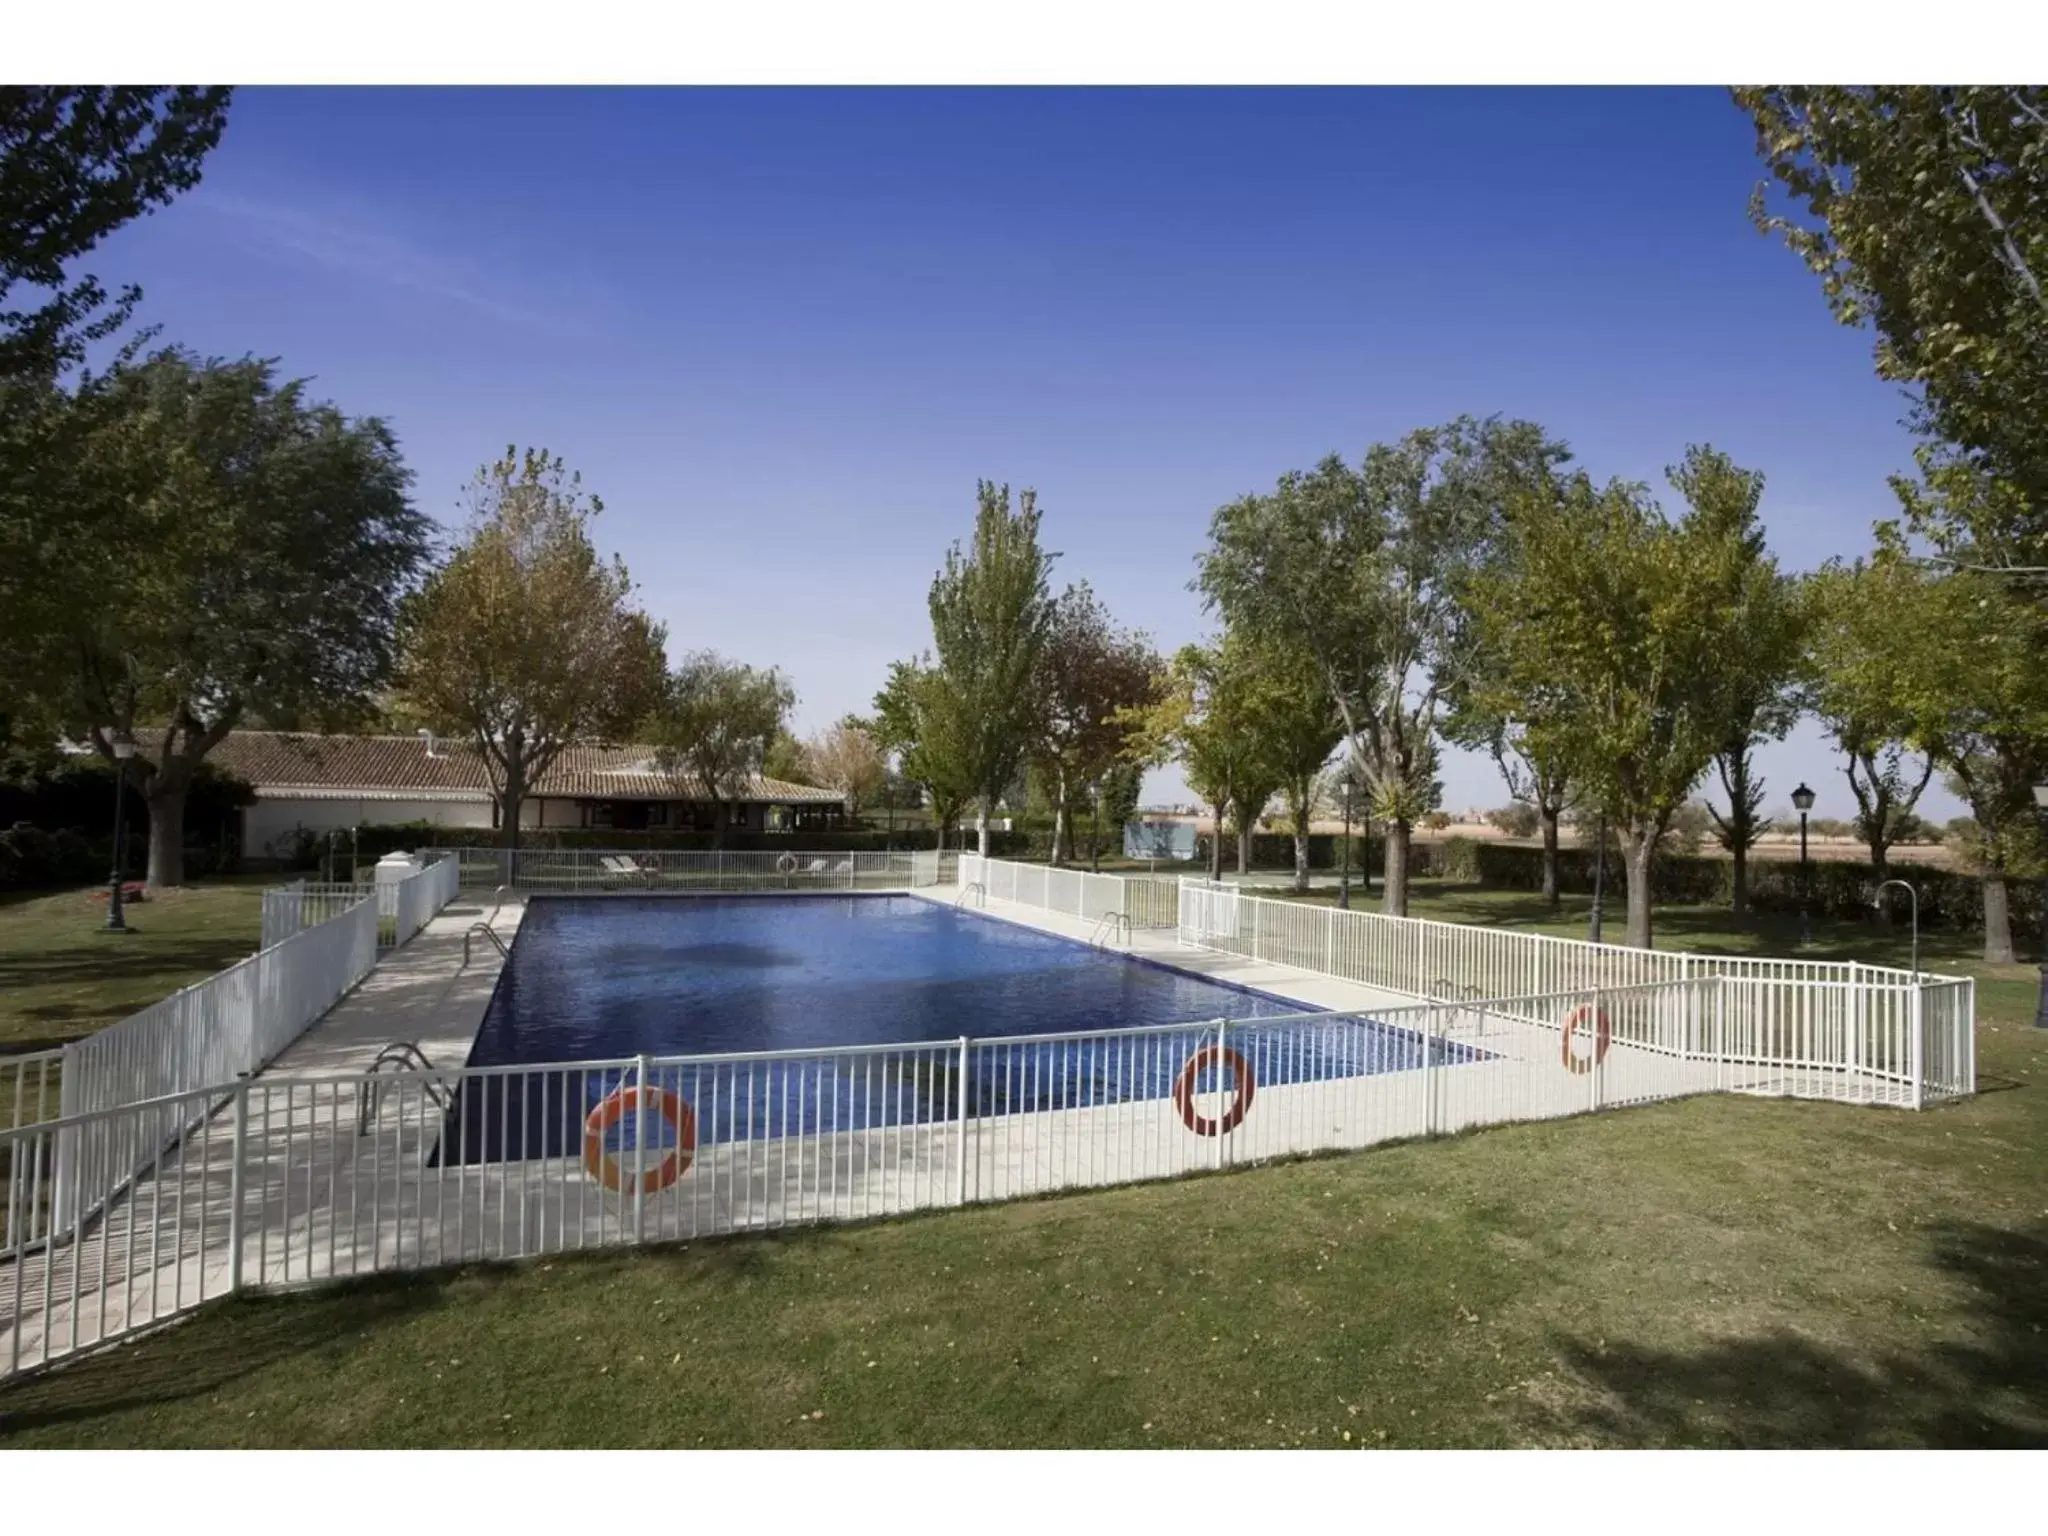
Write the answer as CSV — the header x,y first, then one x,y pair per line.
x,y
1802,797
1599,873
1344,854
123,747
2041,1007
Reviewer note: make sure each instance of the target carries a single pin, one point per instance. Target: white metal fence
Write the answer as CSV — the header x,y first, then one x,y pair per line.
x,y
280,1181
1148,903
654,869
403,906
1831,1029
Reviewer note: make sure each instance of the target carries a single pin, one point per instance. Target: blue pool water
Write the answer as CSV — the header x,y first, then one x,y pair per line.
x,y
596,980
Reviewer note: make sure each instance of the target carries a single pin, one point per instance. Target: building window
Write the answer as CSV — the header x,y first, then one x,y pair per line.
x,y
657,813
739,814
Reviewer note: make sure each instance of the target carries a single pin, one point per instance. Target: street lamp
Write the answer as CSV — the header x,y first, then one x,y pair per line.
x,y
123,747
1802,797
1344,854
1599,871
2041,1008
1913,892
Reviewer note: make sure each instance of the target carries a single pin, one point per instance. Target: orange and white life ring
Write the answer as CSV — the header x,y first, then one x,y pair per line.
x,y
1603,1036
614,1107
786,864
1241,1098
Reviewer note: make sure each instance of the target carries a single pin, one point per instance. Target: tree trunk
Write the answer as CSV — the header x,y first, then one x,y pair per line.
x,y
1997,919
1244,847
1881,863
165,798
1740,855
1639,852
981,828
1059,829
1395,901
1549,815
1216,847
1300,856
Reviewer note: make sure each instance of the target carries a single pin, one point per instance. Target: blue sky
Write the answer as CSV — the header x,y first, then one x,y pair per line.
x,y
782,333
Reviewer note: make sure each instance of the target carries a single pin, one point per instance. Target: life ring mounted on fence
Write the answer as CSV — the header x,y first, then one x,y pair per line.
x,y
1241,1098
786,865
614,1107
1603,1036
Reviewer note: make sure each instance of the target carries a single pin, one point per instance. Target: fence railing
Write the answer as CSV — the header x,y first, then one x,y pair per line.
x,y
1148,903
643,869
403,906
1832,1029
29,1086
280,1181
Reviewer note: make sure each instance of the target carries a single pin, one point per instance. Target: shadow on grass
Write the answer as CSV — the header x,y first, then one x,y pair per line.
x,y
209,1351
228,1340
1782,1390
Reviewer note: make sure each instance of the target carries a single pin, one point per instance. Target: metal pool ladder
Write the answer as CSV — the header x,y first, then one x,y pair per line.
x,y
1111,928
488,932
975,889
398,1056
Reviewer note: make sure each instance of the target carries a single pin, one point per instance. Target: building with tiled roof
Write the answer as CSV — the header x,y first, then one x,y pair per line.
x,y
313,783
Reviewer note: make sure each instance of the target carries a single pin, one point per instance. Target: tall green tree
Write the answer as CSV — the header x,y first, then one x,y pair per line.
x,y
920,718
784,760
1296,727
1758,700
1613,622
242,553
526,640
76,163
1090,674
711,727
1924,211
1204,719
1363,570
1860,634
991,611
1965,680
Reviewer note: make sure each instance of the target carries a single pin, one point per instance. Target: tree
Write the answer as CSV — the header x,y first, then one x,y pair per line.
x,y
991,612
1757,700
525,640
1364,570
76,163
1924,211
1968,689
922,720
846,756
1518,818
785,760
1116,803
1611,623
1203,719
1090,673
244,550
1859,638
1296,727
711,728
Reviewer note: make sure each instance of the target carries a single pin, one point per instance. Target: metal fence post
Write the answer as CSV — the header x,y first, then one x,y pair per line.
x,y
239,1156
1222,1037
1916,1046
640,1150
960,1140
1593,1077
1429,1034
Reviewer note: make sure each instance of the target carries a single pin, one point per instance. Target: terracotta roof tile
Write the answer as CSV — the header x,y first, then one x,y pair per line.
x,y
281,761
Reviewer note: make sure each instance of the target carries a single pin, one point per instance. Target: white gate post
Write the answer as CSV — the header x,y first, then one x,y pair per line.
x,y
960,1176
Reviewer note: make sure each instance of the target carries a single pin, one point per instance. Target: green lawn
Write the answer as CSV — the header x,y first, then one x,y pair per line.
x,y
62,975
1714,1272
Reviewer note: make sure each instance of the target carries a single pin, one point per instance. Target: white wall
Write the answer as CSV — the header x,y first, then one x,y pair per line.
x,y
270,821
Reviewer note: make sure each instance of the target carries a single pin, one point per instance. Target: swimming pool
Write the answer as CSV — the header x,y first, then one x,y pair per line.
x,y
605,979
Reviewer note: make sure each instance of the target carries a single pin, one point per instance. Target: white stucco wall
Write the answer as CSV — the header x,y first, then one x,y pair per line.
x,y
272,819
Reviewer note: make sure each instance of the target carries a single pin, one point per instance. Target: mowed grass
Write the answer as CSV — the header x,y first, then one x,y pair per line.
x,y
1720,1271
62,975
